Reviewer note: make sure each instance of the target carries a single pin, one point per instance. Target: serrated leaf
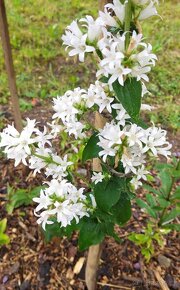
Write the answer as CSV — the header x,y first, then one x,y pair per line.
x,y
91,149
91,233
145,206
129,96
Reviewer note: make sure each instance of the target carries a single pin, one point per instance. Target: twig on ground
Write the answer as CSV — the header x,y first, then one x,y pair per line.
x,y
161,281
138,281
110,285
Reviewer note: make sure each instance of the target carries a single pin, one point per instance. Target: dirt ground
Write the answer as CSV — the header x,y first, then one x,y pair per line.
x,y
29,263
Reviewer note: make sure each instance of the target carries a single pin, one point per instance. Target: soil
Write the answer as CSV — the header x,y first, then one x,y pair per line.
x,y
30,263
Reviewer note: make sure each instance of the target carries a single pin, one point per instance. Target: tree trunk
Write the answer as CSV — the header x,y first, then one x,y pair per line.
x,y
9,66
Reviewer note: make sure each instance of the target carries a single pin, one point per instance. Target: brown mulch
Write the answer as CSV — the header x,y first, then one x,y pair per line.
x,y
29,263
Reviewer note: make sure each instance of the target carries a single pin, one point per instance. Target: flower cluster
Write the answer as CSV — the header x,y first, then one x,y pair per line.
x,y
116,63
131,144
63,201
120,139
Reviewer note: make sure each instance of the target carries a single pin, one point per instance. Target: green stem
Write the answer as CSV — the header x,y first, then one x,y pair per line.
x,y
127,24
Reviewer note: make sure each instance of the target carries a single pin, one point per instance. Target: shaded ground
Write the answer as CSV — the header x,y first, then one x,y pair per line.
x,y
29,263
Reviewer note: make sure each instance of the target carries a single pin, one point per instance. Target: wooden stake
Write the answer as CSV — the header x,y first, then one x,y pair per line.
x,y
9,66
94,252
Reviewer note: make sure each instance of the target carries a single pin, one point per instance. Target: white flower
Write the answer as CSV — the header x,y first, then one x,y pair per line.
x,y
43,200
57,167
155,140
43,137
118,8
113,133
75,128
147,12
134,134
146,107
64,108
136,183
55,128
107,19
132,157
111,64
36,161
122,115
107,150
75,39
141,173
97,177
63,201
96,95
110,138
17,145
94,27
43,218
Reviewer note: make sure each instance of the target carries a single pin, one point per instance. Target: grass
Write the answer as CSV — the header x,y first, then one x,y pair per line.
x,y
43,69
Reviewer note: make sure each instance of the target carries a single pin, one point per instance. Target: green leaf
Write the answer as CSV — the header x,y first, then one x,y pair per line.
x,y
122,210
150,200
21,197
54,230
163,202
175,227
151,189
3,224
176,194
166,181
175,212
145,206
110,231
91,149
175,173
91,233
104,79
107,192
129,96
162,166
4,239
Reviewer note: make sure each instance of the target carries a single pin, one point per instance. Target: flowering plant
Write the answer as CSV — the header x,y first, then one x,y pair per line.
x,y
122,143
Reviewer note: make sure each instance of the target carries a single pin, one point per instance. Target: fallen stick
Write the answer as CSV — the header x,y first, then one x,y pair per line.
x,y
161,281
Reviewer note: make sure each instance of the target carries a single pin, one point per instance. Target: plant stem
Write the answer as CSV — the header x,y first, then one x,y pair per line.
x,y
127,24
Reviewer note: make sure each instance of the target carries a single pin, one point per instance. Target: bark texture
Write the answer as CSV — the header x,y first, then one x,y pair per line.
x,y
9,66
